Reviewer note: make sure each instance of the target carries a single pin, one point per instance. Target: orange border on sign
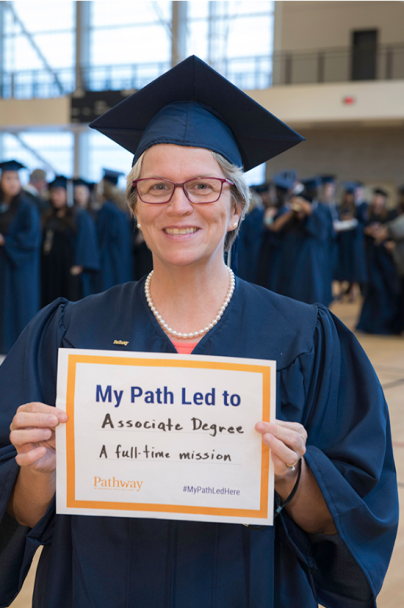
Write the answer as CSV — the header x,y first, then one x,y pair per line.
x,y
71,502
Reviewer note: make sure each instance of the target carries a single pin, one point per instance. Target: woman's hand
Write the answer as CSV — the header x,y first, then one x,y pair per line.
x,y
76,270
33,435
2,241
287,441
308,508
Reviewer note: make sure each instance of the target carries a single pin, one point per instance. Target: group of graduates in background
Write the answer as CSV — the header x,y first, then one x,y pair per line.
x,y
67,238
71,238
298,241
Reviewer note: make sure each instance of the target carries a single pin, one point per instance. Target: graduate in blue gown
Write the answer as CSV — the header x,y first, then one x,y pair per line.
x,y
382,305
251,233
113,234
351,262
329,401
20,238
69,247
305,267
269,267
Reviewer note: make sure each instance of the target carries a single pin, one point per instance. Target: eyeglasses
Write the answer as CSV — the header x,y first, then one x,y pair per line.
x,y
197,190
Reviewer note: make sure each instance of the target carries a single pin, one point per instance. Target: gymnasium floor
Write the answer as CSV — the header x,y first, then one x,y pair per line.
x,y
387,356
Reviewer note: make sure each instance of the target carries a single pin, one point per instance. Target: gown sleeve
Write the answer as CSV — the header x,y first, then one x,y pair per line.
x,y
34,359
349,451
86,249
20,244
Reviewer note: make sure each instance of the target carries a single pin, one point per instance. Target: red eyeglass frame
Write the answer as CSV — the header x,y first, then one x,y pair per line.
x,y
223,180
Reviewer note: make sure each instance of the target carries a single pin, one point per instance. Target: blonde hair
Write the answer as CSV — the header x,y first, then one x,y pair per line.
x,y
240,192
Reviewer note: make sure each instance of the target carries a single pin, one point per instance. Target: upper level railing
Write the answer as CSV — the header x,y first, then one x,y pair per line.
x,y
317,66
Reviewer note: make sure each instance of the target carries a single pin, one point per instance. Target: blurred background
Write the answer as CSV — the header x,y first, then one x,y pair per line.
x,y
332,70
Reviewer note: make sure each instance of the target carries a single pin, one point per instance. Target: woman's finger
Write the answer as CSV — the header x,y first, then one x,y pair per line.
x,y
295,426
293,436
27,419
282,451
38,407
29,458
21,437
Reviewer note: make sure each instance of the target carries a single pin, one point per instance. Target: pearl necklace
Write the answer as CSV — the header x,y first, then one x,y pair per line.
x,y
194,334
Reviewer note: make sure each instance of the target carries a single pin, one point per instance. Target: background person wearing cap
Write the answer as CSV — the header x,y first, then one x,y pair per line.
x,y
268,268
69,247
82,193
20,238
351,263
305,229
382,306
332,542
113,227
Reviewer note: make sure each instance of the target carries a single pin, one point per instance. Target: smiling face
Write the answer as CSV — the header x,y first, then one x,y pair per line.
x,y
181,233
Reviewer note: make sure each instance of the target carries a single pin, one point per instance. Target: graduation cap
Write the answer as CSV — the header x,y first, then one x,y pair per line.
x,y
327,179
193,105
78,181
290,175
282,182
60,181
311,183
380,191
261,188
11,165
112,176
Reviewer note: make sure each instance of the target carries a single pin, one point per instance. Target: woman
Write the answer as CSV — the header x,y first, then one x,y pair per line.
x,y
83,193
332,541
113,234
69,247
381,310
351,258
20,238
304,268
270,255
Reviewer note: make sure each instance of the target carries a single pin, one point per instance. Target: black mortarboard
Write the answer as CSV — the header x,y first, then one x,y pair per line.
x,y
327,179
192,105
78,181
11,165
60,181
261,188
289,174
310,183
284,183
112,176
350,187
380,191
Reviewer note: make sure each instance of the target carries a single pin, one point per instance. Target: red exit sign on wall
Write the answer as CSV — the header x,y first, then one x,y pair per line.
x,y
349,100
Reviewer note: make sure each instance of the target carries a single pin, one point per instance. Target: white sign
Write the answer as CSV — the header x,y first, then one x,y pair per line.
x,y
164,436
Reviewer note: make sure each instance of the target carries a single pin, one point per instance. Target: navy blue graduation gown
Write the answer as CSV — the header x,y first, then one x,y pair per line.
x,y
324,381
66,244
252,231
351,261
382,305
19,272
269,269
306,262
115,244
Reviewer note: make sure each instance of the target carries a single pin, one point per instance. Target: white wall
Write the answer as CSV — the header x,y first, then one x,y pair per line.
x,y
376,102
309,25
